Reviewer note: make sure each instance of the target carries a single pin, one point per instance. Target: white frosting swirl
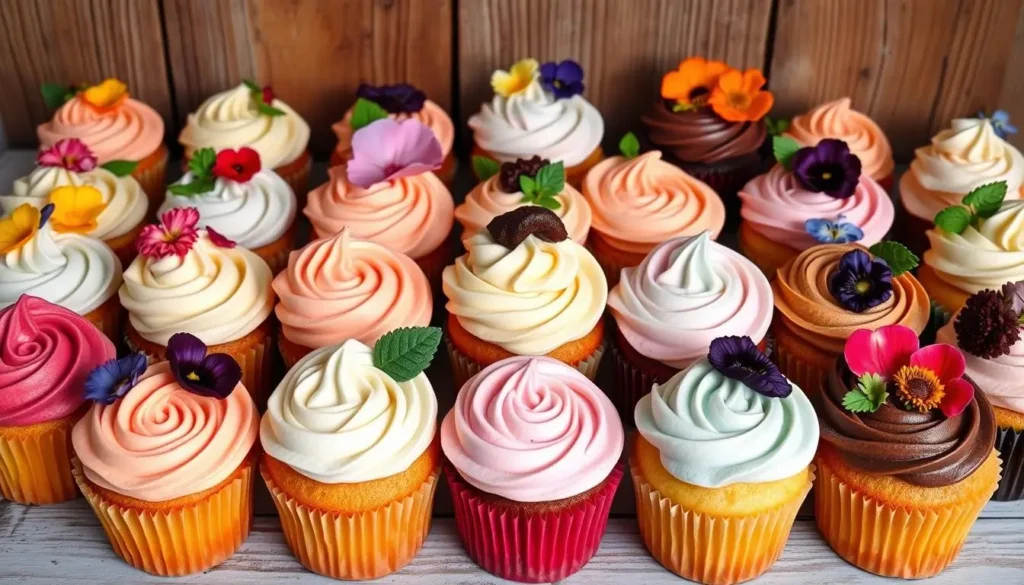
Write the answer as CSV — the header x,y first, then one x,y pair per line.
x,y
336,418
981,258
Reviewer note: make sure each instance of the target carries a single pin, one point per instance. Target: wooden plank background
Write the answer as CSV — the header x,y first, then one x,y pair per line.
x,y
910,64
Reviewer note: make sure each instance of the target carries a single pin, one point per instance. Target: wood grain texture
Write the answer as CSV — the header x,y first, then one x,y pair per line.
x,y
912,65
77,41
314,52
1012,98
624,46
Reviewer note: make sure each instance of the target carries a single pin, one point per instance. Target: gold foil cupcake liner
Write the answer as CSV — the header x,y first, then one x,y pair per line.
x,y
465,368
35,467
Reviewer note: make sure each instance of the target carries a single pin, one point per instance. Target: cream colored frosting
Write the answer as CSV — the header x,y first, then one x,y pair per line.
x,y
431,115
130,131
837,119
487,201
999,377
981,258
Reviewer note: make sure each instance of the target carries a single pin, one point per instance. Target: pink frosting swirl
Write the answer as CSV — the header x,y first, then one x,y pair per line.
x,y
998,377
46,353
776,206
131,131
161,442
431,115
487,201
838,120
532,429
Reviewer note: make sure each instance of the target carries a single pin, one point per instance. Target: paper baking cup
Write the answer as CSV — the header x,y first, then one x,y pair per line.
x,y
710,549
1010,444
888,540
465,368
368,545
631,384
35,467
807,376
177,541
525,547
107,318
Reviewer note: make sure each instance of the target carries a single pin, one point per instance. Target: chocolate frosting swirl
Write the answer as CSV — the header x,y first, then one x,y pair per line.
x,y
700,136
924,449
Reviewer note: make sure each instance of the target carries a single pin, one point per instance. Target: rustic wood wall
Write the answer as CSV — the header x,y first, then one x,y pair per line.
x,y
910,64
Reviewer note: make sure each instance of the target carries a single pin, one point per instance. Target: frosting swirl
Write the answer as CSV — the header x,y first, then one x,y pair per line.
x,y
639,203
342,288
131,131
776,206
528,300
487,201
839,120
431,115
217,294
533,122
806,306
999,377
253,214
161,442
532,429
700,136
984,257
686,293
336,418
413,215
713,431
46,353
230,120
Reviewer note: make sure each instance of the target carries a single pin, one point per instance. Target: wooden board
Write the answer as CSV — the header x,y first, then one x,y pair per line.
x,y
1012,99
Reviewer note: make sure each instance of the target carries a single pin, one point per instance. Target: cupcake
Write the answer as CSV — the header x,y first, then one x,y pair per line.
x,y
401,101
531,499
341,288
686,293
722,464
640,201
540,110
42,256
709,120
906,460
250,115
351,458
165,458
813,195
113,213
503,189
970,153
198,281
124,135
46,354
827,292
840,121
242,201
524,288
388,194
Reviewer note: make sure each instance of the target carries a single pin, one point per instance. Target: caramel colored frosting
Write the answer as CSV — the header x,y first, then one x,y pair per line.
x,y
700,136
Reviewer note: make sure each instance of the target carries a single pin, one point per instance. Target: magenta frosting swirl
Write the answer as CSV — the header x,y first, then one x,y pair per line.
x,y
532,429
46,353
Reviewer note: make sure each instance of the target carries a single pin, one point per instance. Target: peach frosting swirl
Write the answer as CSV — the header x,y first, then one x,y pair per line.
x,y
131,131
998,377
776,206
161,442
808,309
838,120
412,215
343,288
640,202
432,116
532,429
487,201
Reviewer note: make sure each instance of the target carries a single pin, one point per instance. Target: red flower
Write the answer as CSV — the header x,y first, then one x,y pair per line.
x,y
268,95
218,239
173,236
237,165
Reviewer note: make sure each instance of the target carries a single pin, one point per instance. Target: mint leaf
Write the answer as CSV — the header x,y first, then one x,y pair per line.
x,y
899,258
551,179
529,188
252,85
953,219
775,127
121,168
366,112
549,203
405,352
485,168
986,199
629,146
784,148
269,110
201,164
56,95
196,187
857,401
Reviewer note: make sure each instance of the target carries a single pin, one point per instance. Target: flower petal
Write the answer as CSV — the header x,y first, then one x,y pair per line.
x,y
185,350
731,81
943,359
958,394
224,374
569,72
883,351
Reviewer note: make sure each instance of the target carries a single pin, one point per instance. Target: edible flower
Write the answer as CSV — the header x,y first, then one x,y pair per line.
x,y
106,96
860,283
738,97
1000,120
218,239
76,209
510,172
19,227
833,232
70,154
113,379
212,375
400,98
989,324
563,79
828,167
173,236
237,165
519,77
263,98
739,359
388,149
691,84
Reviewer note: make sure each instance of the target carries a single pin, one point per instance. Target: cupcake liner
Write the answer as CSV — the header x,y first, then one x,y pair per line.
x,y
180,540
35,462
808,376
711,549
124,245
631,384
368,545
530,547
888,540
107,318
727,177
296,174
151,175
465,368
1010,444
275,254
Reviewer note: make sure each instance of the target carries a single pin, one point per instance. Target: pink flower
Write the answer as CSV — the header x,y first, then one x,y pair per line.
x,y
218,239
173,236
71,154
387,149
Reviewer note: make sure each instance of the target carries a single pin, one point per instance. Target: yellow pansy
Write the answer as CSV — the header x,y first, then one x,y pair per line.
x,y
519,77
18,228
107,95
76,209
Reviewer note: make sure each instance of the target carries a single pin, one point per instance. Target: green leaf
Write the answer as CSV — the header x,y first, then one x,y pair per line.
x,y
405,352
953,219
549,203
873,387
899,258
485,168
121,168
678,107
269,110
775,127
201,164
56,95
629,146
784,148
252,85
529,188
986,199
857,401
366,112
551,179
196,187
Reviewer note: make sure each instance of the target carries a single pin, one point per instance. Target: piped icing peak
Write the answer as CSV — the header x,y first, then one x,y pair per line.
x,y
838,119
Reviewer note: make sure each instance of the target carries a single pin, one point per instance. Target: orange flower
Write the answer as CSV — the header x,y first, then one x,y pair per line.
x,y
18,228
739,98
107,95
76,209
691,84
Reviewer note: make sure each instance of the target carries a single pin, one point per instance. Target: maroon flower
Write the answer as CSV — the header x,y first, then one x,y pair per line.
x,y
237,165
827,168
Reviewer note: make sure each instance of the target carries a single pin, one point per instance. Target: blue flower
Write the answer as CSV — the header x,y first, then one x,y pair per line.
x,y
1000,120
563,79
214,375
45,213
833,232
113,379
739,359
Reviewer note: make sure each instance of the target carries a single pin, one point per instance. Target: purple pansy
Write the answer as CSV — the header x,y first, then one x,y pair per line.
x,y
214,375
563,79
738,358
828,167
400,98
113,379
860,283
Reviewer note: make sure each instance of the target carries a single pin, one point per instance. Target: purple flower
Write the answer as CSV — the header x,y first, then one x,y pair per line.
x,y
860,283
214,375
827,168
1000,120
833,232
738,358
45,213
113,379
1013,292
400,98
387,149
563,79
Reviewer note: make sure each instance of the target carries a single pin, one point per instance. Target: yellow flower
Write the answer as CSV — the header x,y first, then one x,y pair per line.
x,y
107,95
76,209
18,228
518,78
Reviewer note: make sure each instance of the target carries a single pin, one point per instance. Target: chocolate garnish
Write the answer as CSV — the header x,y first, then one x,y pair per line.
x,y
511,228
508,176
